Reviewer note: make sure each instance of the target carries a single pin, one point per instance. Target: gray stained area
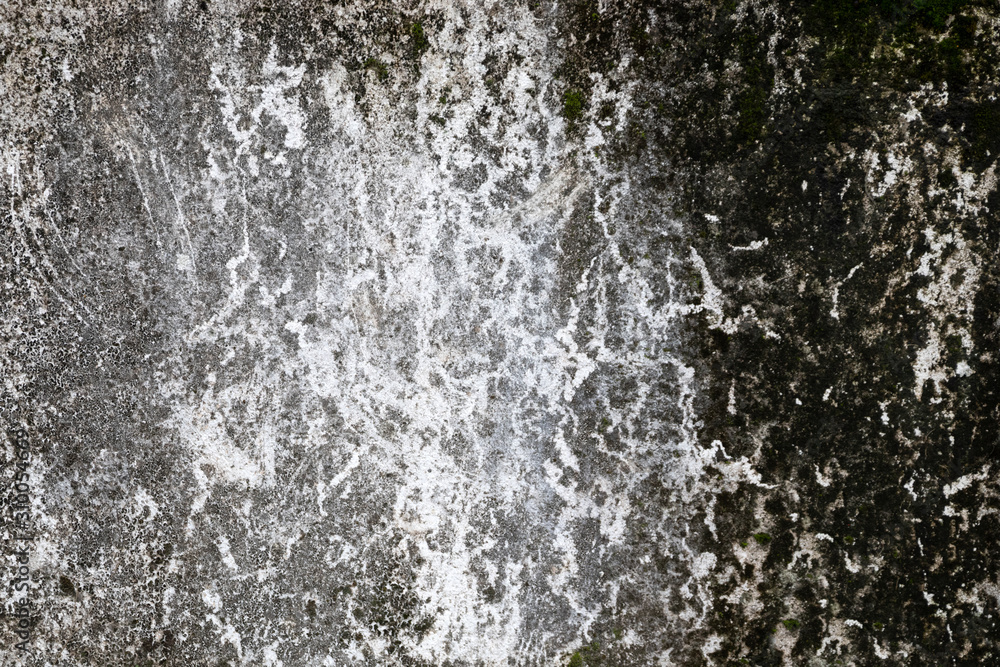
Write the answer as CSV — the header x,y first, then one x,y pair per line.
x,y
499,333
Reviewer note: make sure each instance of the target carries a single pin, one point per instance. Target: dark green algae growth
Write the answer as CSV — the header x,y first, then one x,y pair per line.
x,y
767,118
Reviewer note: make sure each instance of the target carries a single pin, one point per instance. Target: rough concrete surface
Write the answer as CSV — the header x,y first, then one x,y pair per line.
x,y
597,332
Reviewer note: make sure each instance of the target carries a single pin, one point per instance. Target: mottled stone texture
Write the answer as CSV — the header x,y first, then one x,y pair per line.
x,y
500,333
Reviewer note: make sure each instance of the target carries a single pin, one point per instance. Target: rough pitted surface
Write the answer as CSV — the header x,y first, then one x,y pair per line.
x,y
500,333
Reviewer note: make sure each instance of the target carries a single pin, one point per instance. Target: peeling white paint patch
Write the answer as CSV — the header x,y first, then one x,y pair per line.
x,y
949,301
711,645
227,556
711,296
212,600
271,657
965,481
851,565
754,245
834,312
896,166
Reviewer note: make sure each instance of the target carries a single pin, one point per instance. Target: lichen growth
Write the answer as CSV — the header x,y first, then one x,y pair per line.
x,y
378,67
420,42
573,105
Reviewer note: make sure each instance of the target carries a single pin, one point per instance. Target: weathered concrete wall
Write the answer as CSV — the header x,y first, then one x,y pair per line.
x,y
470,333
